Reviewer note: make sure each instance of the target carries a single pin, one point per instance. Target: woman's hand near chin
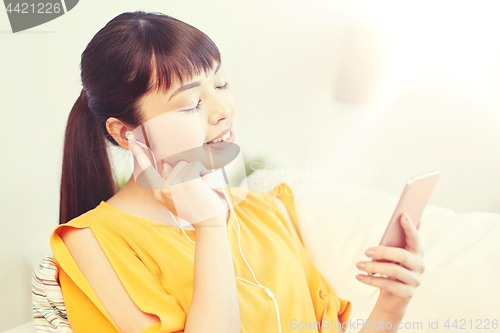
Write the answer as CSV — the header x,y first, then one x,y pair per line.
x,y
403,274
183,191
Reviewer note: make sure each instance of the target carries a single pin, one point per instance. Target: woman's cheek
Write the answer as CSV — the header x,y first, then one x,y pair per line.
x,y
232,101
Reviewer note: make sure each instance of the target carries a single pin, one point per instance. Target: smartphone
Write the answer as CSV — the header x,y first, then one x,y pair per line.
x,y
415,197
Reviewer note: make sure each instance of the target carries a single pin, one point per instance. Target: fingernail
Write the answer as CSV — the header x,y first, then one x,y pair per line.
x,y
361,265
370,253
405,218
360,277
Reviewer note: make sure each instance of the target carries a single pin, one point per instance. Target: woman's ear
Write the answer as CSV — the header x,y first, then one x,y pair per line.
x,y
117,130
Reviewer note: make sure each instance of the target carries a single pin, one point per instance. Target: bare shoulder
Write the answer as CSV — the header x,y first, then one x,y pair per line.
x,y
82,245
286,213
98,271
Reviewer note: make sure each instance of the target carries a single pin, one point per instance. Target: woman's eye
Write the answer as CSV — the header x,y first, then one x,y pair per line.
x,y
224,86
195,109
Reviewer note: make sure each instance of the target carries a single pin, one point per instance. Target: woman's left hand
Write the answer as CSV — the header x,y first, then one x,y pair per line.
x,y
403,275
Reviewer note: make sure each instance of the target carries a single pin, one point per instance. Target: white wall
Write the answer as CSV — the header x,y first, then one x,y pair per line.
x,y
339,84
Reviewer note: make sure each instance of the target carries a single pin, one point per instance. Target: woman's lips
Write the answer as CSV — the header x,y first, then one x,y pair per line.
x,y
221,144
222,133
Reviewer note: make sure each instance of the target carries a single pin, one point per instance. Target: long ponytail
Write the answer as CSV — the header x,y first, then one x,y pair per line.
x,y
86,171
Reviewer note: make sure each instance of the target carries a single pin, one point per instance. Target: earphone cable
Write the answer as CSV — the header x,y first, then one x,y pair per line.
x,y
359,311
268,291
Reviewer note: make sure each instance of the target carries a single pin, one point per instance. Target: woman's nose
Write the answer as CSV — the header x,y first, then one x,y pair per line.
x,y
218,111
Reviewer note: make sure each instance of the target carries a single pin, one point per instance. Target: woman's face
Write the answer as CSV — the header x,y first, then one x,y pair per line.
x,y
214,101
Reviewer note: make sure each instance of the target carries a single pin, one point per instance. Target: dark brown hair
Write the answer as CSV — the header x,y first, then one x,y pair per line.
x,y
133,54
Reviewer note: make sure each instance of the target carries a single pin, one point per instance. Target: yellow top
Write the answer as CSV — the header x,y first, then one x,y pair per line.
x,y
155,263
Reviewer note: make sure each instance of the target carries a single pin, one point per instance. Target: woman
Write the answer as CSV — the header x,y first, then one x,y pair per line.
x,y
123,263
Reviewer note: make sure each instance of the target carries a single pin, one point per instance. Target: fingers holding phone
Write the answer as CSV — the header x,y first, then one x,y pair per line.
x,y
412,239
398,257
399,270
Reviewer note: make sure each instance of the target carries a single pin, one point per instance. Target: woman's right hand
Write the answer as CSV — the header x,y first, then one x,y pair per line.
x,y
182,190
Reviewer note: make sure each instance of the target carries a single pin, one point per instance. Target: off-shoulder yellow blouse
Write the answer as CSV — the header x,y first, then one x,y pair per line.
x,y
155,263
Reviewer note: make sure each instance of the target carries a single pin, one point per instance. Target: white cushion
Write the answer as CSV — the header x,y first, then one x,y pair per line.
x,y
460,250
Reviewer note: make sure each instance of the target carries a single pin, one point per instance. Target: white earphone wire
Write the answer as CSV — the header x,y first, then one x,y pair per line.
x,y
359,311
268,291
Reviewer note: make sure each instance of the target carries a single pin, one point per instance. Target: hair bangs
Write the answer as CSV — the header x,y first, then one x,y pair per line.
x,y
176,56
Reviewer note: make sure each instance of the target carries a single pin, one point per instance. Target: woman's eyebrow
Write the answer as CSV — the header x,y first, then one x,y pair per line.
x,y
186,87
193,84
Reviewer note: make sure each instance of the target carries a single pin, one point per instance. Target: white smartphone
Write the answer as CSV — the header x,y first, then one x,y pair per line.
x,y
413,201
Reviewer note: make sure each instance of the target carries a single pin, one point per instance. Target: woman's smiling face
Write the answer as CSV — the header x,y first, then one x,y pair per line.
x,y
208,96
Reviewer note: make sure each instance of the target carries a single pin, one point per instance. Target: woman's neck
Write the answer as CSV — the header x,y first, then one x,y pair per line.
x,y
135,200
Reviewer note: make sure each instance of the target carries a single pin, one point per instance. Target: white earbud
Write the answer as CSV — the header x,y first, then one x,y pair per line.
x,y
129,135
